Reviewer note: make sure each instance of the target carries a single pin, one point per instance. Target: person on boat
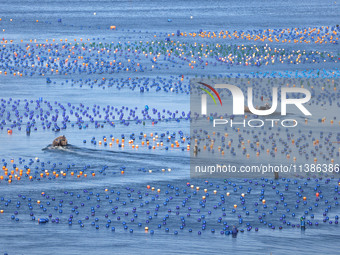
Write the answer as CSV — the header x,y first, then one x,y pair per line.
x,y
59,141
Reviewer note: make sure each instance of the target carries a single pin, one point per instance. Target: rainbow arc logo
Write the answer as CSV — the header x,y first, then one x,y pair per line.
x,y
209,93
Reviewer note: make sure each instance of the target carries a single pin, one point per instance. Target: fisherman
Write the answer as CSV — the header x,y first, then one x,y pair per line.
x,y
303,225
234,232
195,149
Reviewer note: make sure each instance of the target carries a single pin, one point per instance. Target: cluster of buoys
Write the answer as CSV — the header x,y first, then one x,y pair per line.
x,y
140,84
36,170
305,35
163,141
22,170
224,207
316,35
272,143
181,84
99,58
56,116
